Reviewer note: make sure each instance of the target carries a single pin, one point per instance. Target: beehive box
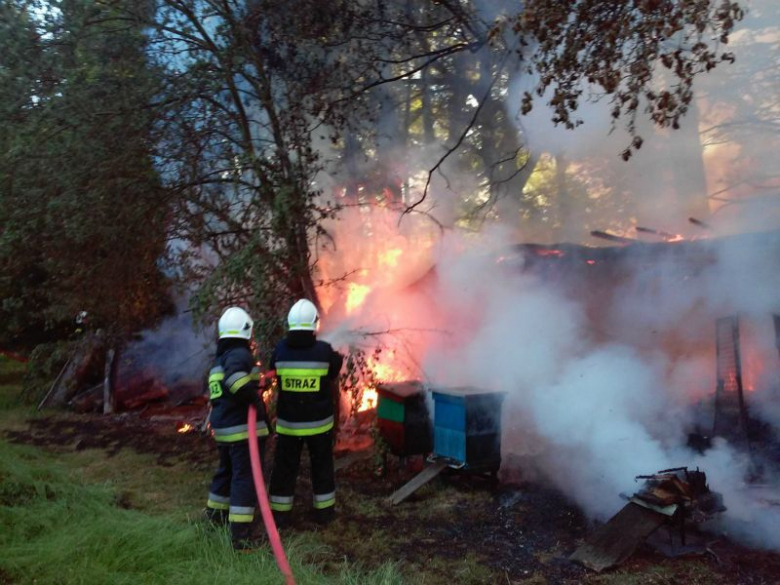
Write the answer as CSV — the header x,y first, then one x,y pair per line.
x,y
403,418
467,427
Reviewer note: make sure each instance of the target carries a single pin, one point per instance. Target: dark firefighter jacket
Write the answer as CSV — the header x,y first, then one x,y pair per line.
x,y
233,386
306,372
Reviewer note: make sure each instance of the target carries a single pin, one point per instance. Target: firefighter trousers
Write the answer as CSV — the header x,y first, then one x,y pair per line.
x,y
232,493
286,463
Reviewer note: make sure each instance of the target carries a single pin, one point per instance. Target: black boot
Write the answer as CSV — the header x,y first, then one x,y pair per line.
x,y
244,536
241,535
282,519
216,517
325,516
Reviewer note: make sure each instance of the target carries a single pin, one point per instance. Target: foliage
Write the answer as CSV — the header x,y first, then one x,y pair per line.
x,y
227,133
358,375
616,48
46,362
81,206
243,98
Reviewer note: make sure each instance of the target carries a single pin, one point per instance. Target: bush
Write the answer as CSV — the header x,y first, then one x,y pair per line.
x,y
46,362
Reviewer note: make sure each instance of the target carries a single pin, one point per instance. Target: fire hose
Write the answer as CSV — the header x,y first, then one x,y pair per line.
x,y
262,498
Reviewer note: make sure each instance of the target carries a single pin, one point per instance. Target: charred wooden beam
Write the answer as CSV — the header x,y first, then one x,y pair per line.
x,y
699,223
611,237
655,232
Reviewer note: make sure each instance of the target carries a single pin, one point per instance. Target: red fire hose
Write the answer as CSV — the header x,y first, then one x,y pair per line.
x,y
262,497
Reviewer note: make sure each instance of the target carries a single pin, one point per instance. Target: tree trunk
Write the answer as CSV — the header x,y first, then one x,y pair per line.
x,y
427,108
564,223
108,394
688,173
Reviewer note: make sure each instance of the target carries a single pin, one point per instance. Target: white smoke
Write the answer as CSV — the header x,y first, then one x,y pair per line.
x,y
598,391
591,405
600,411
753,514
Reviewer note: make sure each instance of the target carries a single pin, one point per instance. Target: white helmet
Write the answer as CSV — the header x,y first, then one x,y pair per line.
x,y
235,322
303,316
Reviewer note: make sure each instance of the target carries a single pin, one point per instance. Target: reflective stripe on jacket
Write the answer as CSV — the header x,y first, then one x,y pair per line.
x,y
307,375
233,386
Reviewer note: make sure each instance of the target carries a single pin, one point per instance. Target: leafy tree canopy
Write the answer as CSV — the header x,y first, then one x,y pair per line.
x,y
81,206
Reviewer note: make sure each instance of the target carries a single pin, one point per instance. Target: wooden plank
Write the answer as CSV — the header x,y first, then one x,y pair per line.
x,y
417,482
55,383
108,395
615,541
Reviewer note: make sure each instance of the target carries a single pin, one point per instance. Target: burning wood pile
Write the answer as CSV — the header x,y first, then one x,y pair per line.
x,y
671,498
680,494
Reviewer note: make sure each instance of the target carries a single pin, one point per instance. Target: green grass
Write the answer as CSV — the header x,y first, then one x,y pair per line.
x,y
11,373
55,528
70,515
64,518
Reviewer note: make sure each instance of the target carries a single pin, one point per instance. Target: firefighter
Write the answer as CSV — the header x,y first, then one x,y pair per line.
x,y
306,374
233,386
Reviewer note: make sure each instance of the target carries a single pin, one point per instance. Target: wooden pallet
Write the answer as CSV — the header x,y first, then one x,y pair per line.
x,y
615,541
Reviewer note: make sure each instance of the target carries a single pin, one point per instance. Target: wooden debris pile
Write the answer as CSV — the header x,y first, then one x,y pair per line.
x,y
673,498
679,493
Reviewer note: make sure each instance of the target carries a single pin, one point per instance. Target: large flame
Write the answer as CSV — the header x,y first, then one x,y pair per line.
x,y
382,372
356,296
369,399
364,278
390,257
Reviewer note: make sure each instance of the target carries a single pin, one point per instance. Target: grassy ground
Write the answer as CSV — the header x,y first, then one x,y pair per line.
x,y
114,499
85,517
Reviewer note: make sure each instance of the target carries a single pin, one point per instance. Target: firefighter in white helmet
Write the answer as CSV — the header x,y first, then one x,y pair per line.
x,y
233,386
306,371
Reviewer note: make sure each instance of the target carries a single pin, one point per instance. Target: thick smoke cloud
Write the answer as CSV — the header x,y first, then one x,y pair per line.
x,y
589,407
596,397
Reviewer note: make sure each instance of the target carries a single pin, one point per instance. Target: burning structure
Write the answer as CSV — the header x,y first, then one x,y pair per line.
x,y
608,356
158,373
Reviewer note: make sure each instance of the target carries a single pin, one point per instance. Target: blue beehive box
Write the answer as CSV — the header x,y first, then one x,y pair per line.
x,y
467,427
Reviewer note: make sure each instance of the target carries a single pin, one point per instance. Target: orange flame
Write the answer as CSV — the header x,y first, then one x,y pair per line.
x,y
390,257
185,428
752,368
382,372
369,399
356,295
